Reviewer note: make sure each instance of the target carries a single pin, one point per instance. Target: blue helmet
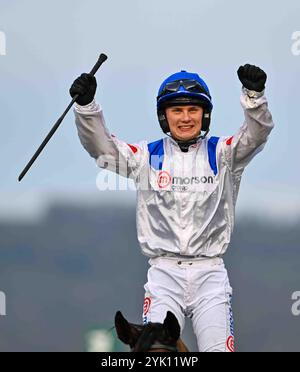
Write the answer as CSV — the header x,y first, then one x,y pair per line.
x,y
183,88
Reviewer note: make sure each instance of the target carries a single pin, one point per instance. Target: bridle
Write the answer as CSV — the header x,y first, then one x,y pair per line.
x,y
156,346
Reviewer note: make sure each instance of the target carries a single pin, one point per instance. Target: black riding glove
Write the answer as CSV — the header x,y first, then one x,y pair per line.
x,y
252,77
85,85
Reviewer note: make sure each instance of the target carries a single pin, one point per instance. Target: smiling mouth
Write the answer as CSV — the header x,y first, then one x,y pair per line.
x,y
185,128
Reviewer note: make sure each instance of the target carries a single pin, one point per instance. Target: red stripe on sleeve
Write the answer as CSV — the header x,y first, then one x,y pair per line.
x,y
228,142
133,148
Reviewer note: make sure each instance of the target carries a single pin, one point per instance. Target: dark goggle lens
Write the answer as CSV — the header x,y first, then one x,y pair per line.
x,y
172,87
189,85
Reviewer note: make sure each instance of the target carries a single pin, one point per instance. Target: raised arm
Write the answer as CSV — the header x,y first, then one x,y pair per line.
x,y
253,134
109,152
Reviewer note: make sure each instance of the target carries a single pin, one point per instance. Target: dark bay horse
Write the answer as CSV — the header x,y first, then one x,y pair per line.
x,y
158,337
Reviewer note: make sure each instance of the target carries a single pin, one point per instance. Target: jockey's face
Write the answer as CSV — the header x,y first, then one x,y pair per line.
x,y
184,121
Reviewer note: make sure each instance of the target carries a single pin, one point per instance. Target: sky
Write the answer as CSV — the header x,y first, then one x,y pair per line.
x,y
45,45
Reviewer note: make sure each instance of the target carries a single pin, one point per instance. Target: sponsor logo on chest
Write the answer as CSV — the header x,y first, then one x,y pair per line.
x,y
165,180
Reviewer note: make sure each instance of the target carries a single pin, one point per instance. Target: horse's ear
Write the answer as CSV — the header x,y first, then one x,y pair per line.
x,y
122,327
126,331
172,325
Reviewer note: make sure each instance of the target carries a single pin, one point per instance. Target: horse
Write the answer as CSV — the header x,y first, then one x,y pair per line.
x,y
151,337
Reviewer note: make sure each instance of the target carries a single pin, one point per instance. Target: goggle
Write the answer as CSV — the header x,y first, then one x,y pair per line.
x,y
189,85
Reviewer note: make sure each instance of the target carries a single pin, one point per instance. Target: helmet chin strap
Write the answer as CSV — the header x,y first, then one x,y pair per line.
x,y
184,145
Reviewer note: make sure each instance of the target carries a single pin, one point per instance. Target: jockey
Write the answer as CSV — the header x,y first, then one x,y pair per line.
x,y
187,187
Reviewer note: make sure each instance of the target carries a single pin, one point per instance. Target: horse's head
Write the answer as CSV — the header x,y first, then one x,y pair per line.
x,y
149,337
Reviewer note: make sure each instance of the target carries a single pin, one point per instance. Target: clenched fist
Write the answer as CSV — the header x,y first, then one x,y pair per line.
x,y
252,77
85,85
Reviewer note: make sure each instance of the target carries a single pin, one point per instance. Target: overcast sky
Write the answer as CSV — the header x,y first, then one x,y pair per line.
x,y
44,46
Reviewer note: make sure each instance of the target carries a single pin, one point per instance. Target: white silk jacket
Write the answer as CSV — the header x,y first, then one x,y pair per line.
x,y
185,200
